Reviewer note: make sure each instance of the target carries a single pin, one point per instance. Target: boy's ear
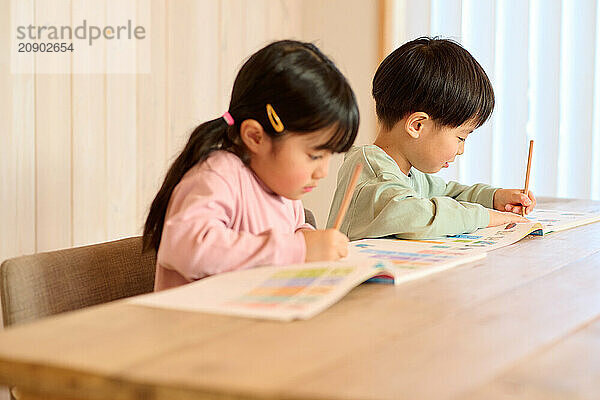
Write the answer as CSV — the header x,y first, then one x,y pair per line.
x,y
253,135
414,123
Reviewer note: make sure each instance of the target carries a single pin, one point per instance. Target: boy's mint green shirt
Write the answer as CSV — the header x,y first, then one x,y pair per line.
x,y
387,202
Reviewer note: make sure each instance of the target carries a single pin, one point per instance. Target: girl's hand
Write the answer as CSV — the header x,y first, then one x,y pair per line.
x,y
512,200
501,218
325,245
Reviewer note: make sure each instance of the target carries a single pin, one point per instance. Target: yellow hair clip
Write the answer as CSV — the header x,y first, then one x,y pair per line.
x,y
274,119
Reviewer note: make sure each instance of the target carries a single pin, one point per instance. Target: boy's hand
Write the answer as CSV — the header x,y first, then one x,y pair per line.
x,y
325,245
512,200
501,218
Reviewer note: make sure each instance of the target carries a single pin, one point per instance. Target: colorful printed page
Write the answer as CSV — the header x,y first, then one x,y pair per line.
x,y
556,220
276,292
485,239
406,260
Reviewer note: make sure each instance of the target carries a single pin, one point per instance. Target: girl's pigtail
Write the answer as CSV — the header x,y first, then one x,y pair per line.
x,y
209,136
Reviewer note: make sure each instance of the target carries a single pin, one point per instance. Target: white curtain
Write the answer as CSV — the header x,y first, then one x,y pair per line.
x,y
543,58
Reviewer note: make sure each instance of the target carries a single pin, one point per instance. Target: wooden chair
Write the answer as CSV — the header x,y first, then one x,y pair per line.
x,y
44,284
309,217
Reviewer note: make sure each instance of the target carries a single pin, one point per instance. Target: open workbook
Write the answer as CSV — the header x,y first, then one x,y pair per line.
x,y
557,220
542,222
304,290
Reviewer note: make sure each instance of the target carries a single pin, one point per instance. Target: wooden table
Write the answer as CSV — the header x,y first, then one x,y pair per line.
x,y
523,323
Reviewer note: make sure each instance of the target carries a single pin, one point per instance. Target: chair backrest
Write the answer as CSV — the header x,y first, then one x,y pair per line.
x,y
44,284
309,217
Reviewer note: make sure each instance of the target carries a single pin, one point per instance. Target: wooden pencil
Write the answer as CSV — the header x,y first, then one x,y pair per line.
x,y
526,190
347,197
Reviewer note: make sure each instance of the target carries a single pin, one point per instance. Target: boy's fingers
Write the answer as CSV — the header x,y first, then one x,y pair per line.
x,y
519,218
532,198
515,196
524,199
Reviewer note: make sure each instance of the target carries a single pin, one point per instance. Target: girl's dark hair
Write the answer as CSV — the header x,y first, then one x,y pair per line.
x,y
436,76
305,89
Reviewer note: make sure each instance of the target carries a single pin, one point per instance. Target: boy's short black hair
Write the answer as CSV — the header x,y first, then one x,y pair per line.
x,y
436,76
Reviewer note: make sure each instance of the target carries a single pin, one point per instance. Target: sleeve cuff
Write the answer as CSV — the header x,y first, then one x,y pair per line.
x,y
477,216
483,217
294,251
486,198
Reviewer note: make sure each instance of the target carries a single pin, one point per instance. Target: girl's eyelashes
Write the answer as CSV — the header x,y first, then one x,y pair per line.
x,y
318,154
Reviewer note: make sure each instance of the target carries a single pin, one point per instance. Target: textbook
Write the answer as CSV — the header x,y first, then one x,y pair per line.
x,y
303,290
557,220
542,222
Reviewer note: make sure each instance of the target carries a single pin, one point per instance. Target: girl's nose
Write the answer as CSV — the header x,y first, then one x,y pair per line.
x,y
321,171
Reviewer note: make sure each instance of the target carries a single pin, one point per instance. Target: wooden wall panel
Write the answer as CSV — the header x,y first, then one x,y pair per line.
x,y
17,142
120,159
8,168
24,156
256,32
285,19
89,134
232,47
193,68
121,130
152,111
53,136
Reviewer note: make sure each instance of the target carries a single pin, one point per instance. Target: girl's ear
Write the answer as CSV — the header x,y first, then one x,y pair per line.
x,y
254,136
414,123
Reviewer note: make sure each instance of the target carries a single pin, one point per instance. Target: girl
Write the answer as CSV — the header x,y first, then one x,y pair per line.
x,y
231,198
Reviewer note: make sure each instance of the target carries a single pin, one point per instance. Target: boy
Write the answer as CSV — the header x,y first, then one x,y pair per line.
x,y
430,94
